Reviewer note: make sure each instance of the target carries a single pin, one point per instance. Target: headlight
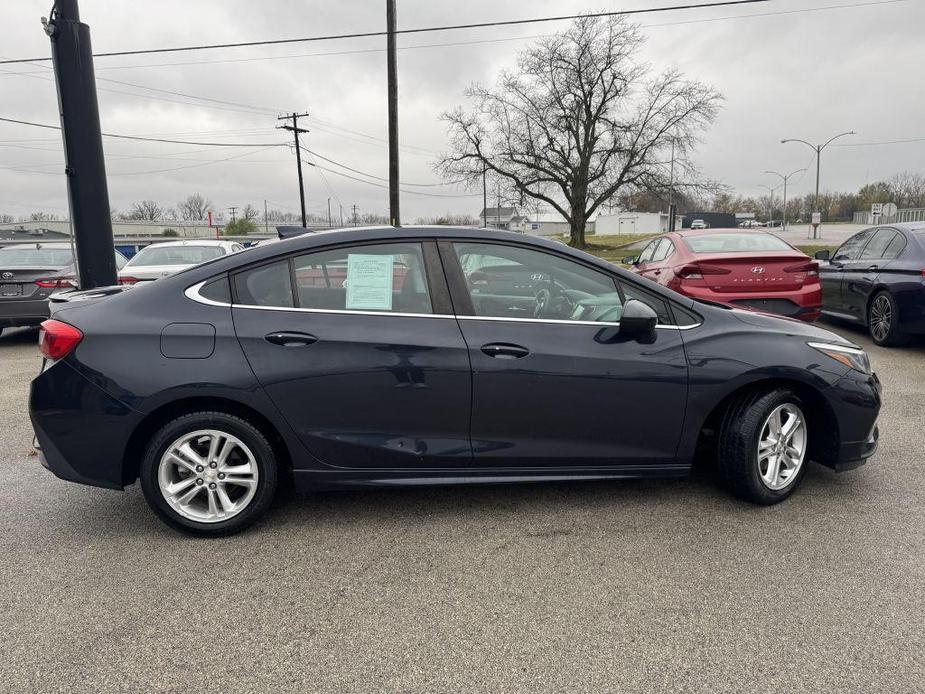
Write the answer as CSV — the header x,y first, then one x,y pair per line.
x,y
853,357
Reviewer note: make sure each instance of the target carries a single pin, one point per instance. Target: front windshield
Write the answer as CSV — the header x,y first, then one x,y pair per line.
x,y
746,242
176,255
31,256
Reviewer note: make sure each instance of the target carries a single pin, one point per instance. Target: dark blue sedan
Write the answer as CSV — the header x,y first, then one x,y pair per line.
x,y
877,278
430,356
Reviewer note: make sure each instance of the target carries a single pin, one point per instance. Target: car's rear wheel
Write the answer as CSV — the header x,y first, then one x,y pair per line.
x,y
883,321
209,474
763,442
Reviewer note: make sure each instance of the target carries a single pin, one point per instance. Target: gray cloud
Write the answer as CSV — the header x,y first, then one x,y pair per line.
x,y
806,75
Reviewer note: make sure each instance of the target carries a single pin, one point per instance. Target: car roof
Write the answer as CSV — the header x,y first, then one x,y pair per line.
x,y
54,245
707,232
190,242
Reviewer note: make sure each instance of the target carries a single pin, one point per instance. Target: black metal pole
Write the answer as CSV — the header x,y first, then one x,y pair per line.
x,y
85,167
394,212
484,196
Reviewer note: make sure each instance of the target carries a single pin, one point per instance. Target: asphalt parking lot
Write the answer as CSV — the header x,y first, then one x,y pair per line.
x,y
632,586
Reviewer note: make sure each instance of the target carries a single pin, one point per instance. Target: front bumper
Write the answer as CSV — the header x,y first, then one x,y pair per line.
x,y
856,400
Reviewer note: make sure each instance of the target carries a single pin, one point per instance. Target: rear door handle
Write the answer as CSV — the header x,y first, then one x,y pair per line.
x,y
285,339
502,350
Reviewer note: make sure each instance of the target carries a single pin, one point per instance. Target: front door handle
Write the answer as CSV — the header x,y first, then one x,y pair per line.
x,y
502,350
872,268
285,339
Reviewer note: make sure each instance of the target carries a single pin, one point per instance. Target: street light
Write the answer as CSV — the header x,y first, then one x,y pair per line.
x,y
785,179
818,150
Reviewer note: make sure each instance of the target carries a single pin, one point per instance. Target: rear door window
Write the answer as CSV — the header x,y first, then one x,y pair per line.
x,y
876,247
663,250
386,277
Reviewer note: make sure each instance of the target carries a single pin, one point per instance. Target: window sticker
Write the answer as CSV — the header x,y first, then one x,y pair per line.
x,y
369,282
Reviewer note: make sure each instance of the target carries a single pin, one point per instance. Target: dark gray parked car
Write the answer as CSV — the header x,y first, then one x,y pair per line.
x,y
29,274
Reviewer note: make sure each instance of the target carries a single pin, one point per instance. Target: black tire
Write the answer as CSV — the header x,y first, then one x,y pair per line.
x,y
885,335
250,435
737,452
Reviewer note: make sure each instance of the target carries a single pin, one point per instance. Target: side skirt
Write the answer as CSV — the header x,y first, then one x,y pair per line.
x,y
311,480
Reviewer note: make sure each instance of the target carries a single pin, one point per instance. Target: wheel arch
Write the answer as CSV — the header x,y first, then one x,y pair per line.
x,y
166,412
824,436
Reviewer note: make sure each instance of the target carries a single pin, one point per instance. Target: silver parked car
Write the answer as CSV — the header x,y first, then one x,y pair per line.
x,y
163,259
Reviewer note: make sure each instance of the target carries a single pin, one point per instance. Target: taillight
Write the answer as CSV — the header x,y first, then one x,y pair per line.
x,y
811,269
696,271
57,339
56,283
128,280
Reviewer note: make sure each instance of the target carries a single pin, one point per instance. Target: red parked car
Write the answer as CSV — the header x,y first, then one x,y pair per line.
x,y
744,269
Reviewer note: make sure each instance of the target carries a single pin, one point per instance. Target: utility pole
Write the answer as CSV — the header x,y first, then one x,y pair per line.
x,y
330,224
818,150
341,215
499,202
354,214
785,179
295,130
770,202
266,218
484,195
392,61
233,218
85,167
672,210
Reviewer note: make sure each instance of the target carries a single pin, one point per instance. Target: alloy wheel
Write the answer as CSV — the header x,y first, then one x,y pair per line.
x,y
208,476
881,318
782,446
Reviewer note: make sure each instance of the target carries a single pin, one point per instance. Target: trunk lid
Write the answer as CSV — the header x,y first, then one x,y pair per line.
x,y
19,282
748,272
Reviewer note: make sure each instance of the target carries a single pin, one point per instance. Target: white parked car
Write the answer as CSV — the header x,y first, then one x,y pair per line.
x,y
163,259
698,224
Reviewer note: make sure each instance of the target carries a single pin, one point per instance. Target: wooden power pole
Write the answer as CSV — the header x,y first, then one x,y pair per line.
x,y
295,130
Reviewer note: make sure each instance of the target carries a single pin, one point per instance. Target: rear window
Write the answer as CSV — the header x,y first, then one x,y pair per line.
x,y
30,256
747,242
176,255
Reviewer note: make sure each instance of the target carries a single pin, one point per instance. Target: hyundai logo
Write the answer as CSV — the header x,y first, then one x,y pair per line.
x,y
7,275
757,269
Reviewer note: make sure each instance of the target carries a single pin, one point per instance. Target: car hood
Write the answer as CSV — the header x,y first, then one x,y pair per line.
x,y
790,326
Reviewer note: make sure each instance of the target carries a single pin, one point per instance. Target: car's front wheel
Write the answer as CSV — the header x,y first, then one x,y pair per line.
x,y
209,474
763,443
883,321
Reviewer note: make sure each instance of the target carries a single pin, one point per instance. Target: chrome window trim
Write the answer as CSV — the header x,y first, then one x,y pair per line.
x,y
192,292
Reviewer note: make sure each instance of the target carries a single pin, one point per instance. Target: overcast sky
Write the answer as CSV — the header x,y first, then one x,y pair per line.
x,y
785,72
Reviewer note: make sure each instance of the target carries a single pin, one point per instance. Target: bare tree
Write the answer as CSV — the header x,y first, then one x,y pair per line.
x,y
907,189
42,217
579,121
250,213
146,210
6,218
194,208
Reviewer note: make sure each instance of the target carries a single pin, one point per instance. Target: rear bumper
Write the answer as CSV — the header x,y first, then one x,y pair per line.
x,y
803,304
18,312
82,432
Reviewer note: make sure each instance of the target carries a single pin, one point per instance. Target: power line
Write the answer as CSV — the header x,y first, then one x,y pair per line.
x,y
419,30
756,15
154,139
381,185
379,178
886,142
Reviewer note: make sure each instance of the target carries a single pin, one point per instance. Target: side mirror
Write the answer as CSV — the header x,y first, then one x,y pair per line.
x,y
629,260
638,319
824,254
